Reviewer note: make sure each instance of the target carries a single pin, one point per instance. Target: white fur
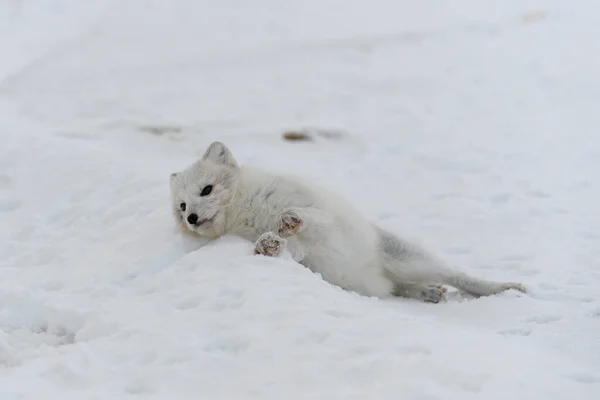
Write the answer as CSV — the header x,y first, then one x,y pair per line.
x,y
335,240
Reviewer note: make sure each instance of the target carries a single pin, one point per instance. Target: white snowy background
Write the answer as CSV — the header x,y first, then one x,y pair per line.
x,y
469,125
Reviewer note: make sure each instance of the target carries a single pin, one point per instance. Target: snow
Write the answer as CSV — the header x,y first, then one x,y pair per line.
x,y
469,126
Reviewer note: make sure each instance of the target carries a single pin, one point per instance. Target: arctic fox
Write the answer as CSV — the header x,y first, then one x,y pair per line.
x,y
214,196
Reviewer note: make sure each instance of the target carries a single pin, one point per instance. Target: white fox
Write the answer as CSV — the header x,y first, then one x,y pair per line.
x,y
214,196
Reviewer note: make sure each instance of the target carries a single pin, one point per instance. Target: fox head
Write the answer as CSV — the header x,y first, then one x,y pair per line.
x,y
201,193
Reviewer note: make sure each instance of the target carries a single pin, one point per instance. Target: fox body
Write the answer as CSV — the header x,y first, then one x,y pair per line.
x,y
215,196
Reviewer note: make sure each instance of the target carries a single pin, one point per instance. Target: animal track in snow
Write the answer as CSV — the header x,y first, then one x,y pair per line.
x,y
594,313
26,324
584,378
540,194
7,205
4,181
515,332
501,198
543,319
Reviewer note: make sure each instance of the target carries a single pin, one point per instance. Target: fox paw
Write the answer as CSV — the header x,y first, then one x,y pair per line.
x,y
270,245
290,223
516,286
433,294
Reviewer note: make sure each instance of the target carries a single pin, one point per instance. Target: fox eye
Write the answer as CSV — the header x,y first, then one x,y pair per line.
x,y
182,206
206,191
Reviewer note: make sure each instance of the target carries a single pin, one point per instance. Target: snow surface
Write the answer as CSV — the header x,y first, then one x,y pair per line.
x,y
471,126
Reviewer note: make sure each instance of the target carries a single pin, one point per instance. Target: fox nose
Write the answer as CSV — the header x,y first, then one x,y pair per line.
x,y
192,219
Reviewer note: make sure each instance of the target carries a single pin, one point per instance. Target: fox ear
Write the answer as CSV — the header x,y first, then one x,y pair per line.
x,y
218,153
172,177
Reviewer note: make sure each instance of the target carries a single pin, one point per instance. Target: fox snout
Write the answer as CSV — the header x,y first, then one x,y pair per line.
x,y
192,219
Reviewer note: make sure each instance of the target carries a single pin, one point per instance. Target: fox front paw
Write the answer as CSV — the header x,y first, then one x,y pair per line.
x,y
433,294
290,223
270,245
